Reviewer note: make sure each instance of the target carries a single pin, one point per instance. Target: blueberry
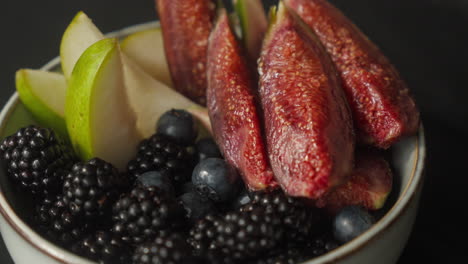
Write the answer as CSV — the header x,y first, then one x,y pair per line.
x,y
178,125
215,179
350,222
207,148
196,206
159,179
242,199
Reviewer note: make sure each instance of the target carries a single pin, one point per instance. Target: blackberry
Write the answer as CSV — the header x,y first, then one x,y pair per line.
x,y
321,244
294,253
103,247
90,188
36,159
140,214
200,237
287,256
238,234
166,248
203,232
269,222
300,220
55,222
161,153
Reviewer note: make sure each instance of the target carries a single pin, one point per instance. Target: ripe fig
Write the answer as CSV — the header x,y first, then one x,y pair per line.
x,y
369,185
186,26
382,107
233,109
308,125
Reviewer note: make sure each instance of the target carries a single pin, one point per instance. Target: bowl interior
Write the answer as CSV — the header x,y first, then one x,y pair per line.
x,y
403,156
19,200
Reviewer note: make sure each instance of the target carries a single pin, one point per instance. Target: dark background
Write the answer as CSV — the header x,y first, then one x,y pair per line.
x,y
426,39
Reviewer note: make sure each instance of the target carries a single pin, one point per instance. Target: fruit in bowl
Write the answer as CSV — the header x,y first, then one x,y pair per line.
x,y
134,179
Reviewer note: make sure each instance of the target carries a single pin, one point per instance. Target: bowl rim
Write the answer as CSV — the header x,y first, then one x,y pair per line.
x,y
401,205
63,256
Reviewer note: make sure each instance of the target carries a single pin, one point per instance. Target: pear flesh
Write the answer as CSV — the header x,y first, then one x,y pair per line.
x,y
79,35
43,94
146,48
99,118
150,98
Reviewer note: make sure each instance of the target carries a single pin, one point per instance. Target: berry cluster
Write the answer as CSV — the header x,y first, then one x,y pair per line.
x,y
178,202
56,222
159,153
90,188
269,222
36,159
140,214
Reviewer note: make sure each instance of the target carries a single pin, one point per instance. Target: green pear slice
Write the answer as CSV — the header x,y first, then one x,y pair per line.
x,y
99,119
43,94
79,35
253,24
150,98
146,48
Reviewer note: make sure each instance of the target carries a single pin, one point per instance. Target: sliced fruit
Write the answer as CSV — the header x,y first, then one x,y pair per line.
x,y
150,98
232,107
308,124
186,26
79,35
254,23
99,119
157,178
43,94
382,107
351,222
179,125
146,48
216,179
369,185
207,148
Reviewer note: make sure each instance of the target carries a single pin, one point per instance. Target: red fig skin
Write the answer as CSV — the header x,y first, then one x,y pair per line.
x,y
232,107
308,124
369,185
382,107
186,27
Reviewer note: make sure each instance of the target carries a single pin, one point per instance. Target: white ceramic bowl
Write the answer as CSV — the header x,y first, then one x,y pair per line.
x,y
382,244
